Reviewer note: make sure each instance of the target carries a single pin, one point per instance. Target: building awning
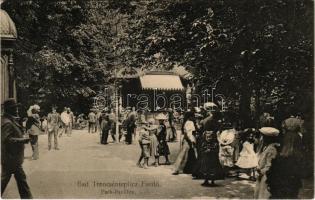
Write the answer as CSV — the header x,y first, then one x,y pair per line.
x,y
161,82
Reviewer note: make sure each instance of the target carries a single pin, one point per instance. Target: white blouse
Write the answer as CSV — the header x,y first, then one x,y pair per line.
x,y
189,127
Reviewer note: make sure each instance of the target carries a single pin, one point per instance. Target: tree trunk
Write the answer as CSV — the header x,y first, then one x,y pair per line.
x,y
257,104
245,105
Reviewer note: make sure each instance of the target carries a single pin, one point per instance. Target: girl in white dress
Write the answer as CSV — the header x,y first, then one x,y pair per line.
x,y
248,158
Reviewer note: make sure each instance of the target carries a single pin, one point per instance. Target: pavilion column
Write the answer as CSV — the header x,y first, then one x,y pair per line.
x,y
11,75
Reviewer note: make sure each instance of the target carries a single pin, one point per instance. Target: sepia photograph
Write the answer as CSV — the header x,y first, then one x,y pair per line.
x,y
157,99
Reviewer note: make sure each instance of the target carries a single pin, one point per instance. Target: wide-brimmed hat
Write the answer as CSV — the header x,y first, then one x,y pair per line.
x,y
10,103
161,116
36,107
269,131
209,105
227,137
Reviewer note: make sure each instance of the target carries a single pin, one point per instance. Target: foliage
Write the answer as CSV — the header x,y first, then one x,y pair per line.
x,y
68,50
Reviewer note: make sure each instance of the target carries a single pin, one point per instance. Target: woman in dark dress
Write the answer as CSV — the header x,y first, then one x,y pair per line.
x,y
210,123
210,167
163,148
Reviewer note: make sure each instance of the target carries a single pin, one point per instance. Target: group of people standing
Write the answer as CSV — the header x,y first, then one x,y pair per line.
x,y
152,141
16,133
213,147
54,125
210,149
108,123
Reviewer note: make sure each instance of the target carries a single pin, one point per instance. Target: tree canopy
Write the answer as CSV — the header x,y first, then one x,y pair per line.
x,y
67,50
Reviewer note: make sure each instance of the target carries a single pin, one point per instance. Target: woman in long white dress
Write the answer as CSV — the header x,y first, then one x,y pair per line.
x,y
265,156
188,143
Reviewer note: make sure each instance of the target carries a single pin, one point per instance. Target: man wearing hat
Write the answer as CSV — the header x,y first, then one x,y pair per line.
x,y
171,120
53,120
105,127
92,121
12,150
131,125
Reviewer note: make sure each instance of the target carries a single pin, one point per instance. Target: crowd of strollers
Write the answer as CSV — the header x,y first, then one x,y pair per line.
x,y
214,148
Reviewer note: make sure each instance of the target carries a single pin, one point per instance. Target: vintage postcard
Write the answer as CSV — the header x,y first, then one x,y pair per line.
x,y
157,99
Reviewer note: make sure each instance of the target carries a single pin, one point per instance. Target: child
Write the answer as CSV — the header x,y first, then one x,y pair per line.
x,y
144,142
210,167
248,158
226,152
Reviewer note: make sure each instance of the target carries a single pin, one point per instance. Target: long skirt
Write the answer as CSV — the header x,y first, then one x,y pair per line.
x,y
185,160
191,162
154,151
163,148
210,167
261,189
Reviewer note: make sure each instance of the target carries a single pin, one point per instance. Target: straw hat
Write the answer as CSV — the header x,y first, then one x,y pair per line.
x,y
227,137
36,107
209,105
269,131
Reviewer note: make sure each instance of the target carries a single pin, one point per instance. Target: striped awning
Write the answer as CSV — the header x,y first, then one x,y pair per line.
x,y
161,82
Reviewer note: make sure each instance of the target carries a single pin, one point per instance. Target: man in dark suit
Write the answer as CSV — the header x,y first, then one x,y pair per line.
x,y
12,150
131,125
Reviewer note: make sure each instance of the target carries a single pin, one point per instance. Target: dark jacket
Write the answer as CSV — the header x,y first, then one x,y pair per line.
x,y
105,125
12,142
161,136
